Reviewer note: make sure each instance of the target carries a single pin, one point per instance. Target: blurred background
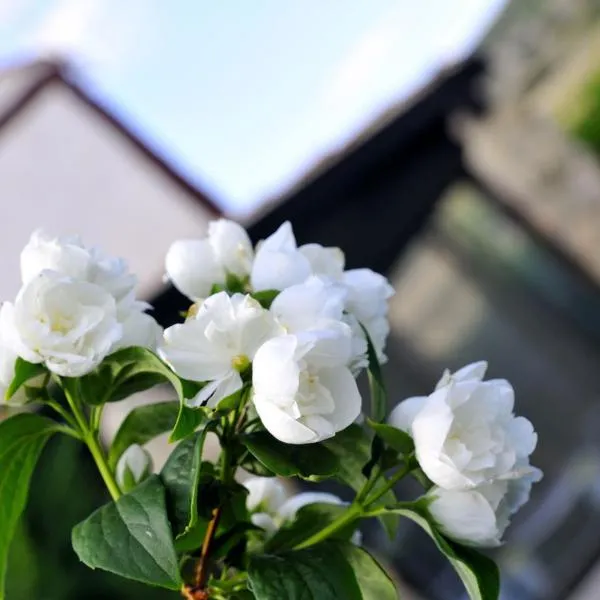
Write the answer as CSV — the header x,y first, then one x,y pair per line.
x,y
453,145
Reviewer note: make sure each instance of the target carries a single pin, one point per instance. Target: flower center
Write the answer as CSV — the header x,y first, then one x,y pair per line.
x,y
240,363
192,310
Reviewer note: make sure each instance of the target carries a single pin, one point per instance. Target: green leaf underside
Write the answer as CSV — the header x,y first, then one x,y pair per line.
x,y
395,438
141,425
352,446
478,573
181,477
288,460
24,371
131,537
328,571
22,439
309,520
136,369
376,384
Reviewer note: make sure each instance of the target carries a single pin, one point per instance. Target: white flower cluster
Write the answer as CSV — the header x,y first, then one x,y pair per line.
x,y
271,507
75,307
475,451
304,351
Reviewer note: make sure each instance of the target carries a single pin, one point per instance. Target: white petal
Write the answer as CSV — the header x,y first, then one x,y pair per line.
x,y
430,429
300,306
324,261
137,461
215,391
191,355
342,386
275,372
264,493
65,255
523,436
472,372
231,246
140,329
465,516
404,414
282,240
330,344
264,521
287,512
281,426
192,268
278,270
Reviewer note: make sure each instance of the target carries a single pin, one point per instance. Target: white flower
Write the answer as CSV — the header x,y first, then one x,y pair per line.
x,y
479,517
195,266
139,329
68,256
217,343
133,467
278,263
465,432
324,261
271,507
68,325
265,496
231,246
303,392
289,509
8,358
314,304
65,254
193,269
367,303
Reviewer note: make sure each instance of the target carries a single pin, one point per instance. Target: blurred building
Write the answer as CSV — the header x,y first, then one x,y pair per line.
x,y
67,164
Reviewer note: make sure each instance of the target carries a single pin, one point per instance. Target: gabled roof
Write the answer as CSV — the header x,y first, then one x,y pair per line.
x,y
21,84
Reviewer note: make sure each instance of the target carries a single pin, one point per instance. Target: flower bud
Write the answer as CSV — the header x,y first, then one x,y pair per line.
x,y
133,467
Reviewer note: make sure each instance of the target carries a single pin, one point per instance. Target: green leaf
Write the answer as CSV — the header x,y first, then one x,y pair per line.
x,y
136,369
255,467
352,447
188,421
395,438
308,461
265,297
141,425
181,477
478,573
131,537
310,519
373,581
376,384
24,371
22,439
328,571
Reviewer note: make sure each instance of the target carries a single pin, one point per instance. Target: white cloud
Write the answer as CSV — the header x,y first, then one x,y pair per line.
x,y
101,34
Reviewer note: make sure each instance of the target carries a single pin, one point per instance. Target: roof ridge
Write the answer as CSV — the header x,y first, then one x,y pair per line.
x,y
62,72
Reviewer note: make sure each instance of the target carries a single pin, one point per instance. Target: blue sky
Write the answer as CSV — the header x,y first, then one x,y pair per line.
x,y
243,97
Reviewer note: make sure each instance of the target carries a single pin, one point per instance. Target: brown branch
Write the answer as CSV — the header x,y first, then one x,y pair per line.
x,y
202,566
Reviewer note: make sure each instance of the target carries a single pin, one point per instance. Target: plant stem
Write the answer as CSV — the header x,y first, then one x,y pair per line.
x,y
91,440
98,454
368,486
63,413
354,512
391,482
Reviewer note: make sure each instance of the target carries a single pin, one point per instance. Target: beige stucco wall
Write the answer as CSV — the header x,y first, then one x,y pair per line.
x,y
64,168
